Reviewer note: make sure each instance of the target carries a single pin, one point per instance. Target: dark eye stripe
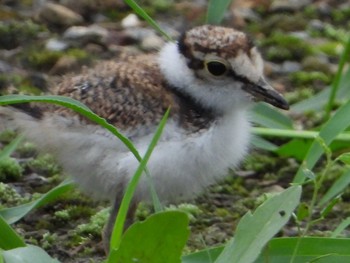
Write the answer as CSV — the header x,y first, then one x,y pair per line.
x,y
240,78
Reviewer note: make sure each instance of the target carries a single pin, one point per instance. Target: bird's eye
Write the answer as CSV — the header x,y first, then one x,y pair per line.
x,y
216,68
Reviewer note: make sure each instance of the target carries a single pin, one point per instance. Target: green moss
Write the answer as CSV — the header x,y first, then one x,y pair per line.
x,y
299,94
44,165
9,196
283,22
191,210
14,33
79,54
310,12
281,46
331,48
315,64
42,59
96,224
309,78
45,59
259,163
10,169
340,14
26,150
49,239
7,136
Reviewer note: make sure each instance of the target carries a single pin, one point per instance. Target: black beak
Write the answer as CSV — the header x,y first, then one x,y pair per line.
x,y
262,91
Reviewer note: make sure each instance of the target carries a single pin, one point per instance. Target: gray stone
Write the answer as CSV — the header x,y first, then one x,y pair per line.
x,y
93,33
54,44
58,15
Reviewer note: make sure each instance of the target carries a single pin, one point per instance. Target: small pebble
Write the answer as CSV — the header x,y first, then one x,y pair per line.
x,y
131,20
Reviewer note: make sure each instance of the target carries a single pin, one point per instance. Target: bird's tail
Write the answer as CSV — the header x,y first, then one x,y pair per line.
x,y
10,116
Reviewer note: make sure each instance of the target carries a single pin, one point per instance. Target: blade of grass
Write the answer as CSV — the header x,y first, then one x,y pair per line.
x,y
332,128
319,100
119,224
138,10
263,144
269,117
216,11
11,147
337,187
341,227
77,107
336,82
13,214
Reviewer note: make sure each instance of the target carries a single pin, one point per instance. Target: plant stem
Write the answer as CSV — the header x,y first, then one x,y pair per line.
x,y
295,134
337,78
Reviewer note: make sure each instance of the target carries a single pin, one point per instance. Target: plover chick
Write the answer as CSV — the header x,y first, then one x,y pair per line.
x,y
208,78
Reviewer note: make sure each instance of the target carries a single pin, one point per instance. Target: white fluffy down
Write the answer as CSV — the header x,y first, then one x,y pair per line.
x,y
180,166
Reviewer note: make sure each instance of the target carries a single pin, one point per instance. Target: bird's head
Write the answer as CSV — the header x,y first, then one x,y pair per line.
x,y
219,67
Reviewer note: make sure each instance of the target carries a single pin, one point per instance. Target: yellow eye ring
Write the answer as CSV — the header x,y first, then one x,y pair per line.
x,y
216,68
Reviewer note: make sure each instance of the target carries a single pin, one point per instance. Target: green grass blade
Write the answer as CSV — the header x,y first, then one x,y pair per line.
x,y
336,82
319,100
333,127
9,239
11,147
142,13
216,11
13,214
269,117
77,107
255,230
118,227
337,187
341,227
263,144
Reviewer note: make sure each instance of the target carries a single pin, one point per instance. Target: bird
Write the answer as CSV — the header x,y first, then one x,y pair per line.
x,y
209,78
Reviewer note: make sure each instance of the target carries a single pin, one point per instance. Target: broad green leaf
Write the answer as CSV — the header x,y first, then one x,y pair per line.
x,y
295,148
160,238
337,187
325,250
255,230
9,239
280,250
302,211
28,254
270,117
216,11
13,214
334,126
